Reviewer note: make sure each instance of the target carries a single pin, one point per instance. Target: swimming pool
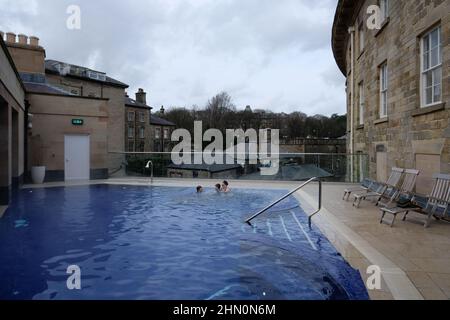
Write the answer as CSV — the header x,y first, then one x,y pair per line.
x,y
137,242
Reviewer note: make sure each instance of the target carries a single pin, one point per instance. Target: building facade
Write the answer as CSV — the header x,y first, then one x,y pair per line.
x,y
398,88
87,83
161,132
137,119
12,126
77,115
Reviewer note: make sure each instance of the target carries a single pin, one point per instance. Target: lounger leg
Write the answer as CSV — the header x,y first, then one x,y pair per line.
x,y
427,224
382,217
378,201
358,202
393,220
404,218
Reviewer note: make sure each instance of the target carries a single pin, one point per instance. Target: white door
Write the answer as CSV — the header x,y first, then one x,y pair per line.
x,y
77,158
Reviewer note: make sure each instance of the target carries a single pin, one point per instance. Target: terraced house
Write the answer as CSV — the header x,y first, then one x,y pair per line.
x,y
137,129
398,88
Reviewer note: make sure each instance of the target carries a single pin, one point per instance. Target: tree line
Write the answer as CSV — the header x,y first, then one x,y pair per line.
x,y
220,113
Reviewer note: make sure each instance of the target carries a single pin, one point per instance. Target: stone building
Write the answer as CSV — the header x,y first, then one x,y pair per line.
x,y
398,87
77,115
137,119
87,83
161,132
12,126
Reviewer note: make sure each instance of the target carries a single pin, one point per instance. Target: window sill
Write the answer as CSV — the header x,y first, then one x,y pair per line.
x,y
360,127
430,109
380,121
383,26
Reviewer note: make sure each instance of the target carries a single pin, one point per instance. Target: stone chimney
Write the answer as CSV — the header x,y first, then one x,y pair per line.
x,y
34,41
10,37
141,96
2,35
162,110
23,39
28,57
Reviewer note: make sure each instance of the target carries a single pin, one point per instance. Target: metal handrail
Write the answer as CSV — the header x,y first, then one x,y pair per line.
x,y
287,196
150,165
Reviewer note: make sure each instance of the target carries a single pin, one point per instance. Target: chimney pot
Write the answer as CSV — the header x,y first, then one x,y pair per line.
x,y
34,41
23,39
11,37
141,96
162,110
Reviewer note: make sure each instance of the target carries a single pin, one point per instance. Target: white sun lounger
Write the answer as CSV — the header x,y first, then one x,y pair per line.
x,y
438,202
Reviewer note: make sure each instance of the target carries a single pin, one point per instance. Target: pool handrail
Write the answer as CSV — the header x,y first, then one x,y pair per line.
x,y
249,220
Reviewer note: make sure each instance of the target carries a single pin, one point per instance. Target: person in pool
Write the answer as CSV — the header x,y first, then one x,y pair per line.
x,y
225,187
218,187
199,189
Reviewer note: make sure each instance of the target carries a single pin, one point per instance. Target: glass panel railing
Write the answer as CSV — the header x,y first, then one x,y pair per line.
x,y
291,167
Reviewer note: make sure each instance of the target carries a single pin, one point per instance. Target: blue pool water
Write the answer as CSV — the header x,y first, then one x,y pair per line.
x,y
135,242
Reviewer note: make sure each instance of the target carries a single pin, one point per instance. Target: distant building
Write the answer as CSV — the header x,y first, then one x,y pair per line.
x,y
137,119
398,93
318,145
205,171
161,132
13,125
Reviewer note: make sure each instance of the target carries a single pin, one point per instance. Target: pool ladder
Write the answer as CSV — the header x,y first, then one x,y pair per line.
x,y
249,220
150,166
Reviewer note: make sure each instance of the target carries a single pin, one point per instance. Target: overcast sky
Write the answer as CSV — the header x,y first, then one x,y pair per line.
x,y
268,54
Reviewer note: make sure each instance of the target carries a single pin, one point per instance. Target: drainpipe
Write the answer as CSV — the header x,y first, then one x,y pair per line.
x,y
351,31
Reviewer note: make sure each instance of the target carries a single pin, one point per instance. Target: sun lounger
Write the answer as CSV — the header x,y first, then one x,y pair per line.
x,y
404,192
366,185
437,204
385,190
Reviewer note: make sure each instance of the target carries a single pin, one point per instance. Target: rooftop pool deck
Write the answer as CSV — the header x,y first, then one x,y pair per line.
x,y
414,261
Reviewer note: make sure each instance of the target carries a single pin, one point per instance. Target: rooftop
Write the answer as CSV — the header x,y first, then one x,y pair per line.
x,y
45,88
71,70
158,121
135,104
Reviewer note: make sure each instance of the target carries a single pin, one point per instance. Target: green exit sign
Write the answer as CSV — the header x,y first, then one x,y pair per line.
x,y
77,122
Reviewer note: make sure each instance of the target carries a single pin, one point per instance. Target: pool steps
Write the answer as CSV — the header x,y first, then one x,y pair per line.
x,y
284,227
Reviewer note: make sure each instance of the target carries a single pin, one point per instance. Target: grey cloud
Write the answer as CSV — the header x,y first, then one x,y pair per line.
x,y
184,51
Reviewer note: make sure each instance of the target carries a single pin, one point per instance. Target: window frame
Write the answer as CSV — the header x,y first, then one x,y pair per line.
x,y
142,116
384,90
431,69
166,133
141,132
362,103
142,146
131,133
384,10
131,116
157,133
361,38
131,143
